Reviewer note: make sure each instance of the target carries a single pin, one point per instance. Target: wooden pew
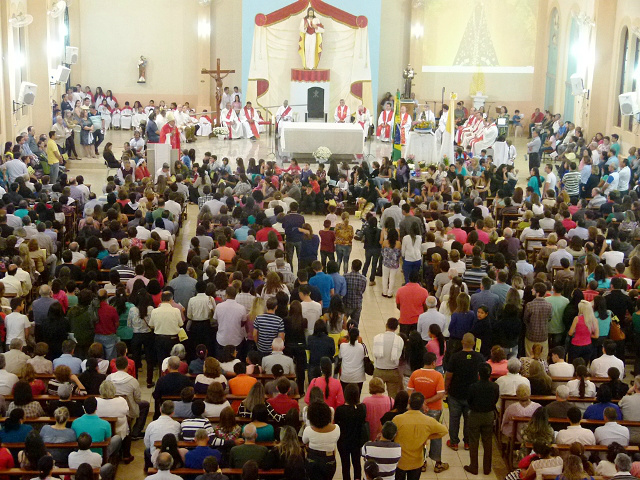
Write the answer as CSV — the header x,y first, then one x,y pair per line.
x,y
185,472
56,472
183,444
69,445
215,420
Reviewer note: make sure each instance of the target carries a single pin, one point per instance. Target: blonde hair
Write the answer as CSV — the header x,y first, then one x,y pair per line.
x,y
258,308
586,310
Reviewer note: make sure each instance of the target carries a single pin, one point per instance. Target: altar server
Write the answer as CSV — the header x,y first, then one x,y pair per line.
x,y
127,114
342,113
363,119
385,121
249,119
229,119
105,113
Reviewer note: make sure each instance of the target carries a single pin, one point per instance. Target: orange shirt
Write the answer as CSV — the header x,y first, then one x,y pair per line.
x,y
241,384
428,382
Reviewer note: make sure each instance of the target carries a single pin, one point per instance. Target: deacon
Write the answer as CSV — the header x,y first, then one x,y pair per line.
x,y
405,125
169,132
284,114
385,121
342,114
229,119
249,120
363,119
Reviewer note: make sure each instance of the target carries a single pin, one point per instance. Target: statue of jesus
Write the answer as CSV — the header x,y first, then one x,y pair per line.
x,y
142,69
311,31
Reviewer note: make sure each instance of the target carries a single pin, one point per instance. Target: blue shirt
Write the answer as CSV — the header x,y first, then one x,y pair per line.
x,y
99,429
596,411
195,457
324,283
17,435
461,323
242,233
339,284
309,248
186,159
291,223
75,364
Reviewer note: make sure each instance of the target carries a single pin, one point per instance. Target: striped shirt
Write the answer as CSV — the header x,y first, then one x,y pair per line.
x,y
385,454
571,182
268,326
189,426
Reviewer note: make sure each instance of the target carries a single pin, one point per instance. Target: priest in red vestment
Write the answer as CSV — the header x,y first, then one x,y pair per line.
x,y
170,132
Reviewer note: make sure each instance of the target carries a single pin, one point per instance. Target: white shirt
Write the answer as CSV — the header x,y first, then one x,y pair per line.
x,y
613,258
428,318
352,363
411,250
15,323
7,381
200,307
115,407
574,386
575,433
158,429
137,144
387,349
509,383
612,432
552,180
603,363
312,311
562,369
213,410
624,176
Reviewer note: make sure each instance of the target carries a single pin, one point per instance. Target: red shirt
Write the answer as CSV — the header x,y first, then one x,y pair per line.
x,y
315,186
131,367
483,236
589,295
282,403
108,320
569,224
327,240
411,300
262,235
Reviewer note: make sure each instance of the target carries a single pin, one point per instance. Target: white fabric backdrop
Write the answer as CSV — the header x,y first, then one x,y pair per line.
x,y
345,52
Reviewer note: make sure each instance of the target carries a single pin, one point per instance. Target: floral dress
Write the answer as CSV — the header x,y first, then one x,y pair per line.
x,y
391,257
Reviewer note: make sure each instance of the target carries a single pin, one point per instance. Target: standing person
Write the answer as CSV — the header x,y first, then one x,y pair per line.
x,y
462,372
322,282
414,431
584,329
533,149
387,349
385,452
295,346
537,314
331,387
356,285
267,327
430,383
372,248
166,321
558,303
292,223
350,417
53,157
322,437
411,300
483,396
411,252
343,242
231,317
391,253
352,355
138,320
107,326
200,310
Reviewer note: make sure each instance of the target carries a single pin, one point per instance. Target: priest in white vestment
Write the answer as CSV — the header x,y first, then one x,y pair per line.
x,y
363,118
206,124
475,128
249,119
229,119
405,125
467,125
284,114
426,115
342,113
487,139
385,122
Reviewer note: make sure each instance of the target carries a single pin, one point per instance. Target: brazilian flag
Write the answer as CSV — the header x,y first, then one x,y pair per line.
x,y
396,153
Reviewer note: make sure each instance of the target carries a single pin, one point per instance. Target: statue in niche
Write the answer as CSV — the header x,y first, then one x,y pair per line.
x,y
142,69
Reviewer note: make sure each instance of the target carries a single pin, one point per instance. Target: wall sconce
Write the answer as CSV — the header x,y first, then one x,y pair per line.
x,y
204,28
417,30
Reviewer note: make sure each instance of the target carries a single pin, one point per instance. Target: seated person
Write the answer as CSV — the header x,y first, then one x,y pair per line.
x,y
560,368
611,431
574,432
259,419
560,406
74,407
196,456
211,469
282,403
603,400
241,454
84,454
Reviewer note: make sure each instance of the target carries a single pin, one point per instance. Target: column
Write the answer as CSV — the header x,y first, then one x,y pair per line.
x,y
38,67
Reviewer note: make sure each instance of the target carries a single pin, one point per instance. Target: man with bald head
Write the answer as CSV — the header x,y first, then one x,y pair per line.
x,y
510,245
107,326
40,308
241,454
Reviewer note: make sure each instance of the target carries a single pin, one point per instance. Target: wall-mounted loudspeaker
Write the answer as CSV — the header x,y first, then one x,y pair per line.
x,y
629,103
71,55
577,84
61,75
27,95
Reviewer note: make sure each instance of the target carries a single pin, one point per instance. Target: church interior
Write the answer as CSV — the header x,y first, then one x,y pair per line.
x,y
272,81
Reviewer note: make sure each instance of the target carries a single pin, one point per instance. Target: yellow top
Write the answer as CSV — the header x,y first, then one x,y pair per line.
x,y
414,430
52,148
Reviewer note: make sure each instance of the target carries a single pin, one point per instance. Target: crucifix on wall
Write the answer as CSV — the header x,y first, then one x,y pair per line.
x,y
217,75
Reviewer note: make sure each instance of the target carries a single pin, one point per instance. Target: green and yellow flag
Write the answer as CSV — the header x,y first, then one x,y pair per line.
x,y
396,152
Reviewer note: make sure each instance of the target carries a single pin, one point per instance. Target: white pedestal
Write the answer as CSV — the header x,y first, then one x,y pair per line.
x,y
298,96
478,100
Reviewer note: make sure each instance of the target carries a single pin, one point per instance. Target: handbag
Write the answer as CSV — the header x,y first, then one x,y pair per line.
x,y
368,363
615,332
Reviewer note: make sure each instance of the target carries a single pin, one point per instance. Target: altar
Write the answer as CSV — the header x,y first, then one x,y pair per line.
x,y
305,138
422,146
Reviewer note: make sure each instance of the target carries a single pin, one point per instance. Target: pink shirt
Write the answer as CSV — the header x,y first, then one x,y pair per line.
x,y
377,406
461,235
582,335
61,297
434,346
516,410
483,236
335,397
498,368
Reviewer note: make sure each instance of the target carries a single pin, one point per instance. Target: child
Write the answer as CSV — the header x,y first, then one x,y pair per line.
x,y
253,363
331,216
121,351
308,202
294,169
321,173
468,153
339,197
327,242
315,184
482,331
343,184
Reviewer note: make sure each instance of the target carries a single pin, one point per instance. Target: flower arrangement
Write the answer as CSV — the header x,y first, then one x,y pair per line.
x,y
224,131
411,159
445,160
422,165
322,153
425,125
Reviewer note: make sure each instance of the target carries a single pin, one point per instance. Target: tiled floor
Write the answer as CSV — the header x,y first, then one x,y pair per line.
x,y
376,309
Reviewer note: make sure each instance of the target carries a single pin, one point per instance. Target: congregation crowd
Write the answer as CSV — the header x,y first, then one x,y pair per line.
x,y
521,300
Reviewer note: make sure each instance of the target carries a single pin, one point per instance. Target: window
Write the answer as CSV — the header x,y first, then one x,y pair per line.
x,y
623,69
634,77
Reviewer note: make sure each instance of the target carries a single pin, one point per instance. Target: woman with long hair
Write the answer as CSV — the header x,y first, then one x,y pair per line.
x,y
295,343
170,445
331,387
215,400
580,386
211,372
343,242
273,285
541,383
309,247
228,428
142,338
411,252
351,418
603,316
573,470
436,345
391,253
462,320
255,397
352,361
34,450
535,181
288,454
583,330
322,437
335,317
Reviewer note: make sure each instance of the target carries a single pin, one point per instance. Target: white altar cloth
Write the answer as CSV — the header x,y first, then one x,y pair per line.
x,y
422,146
341,139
